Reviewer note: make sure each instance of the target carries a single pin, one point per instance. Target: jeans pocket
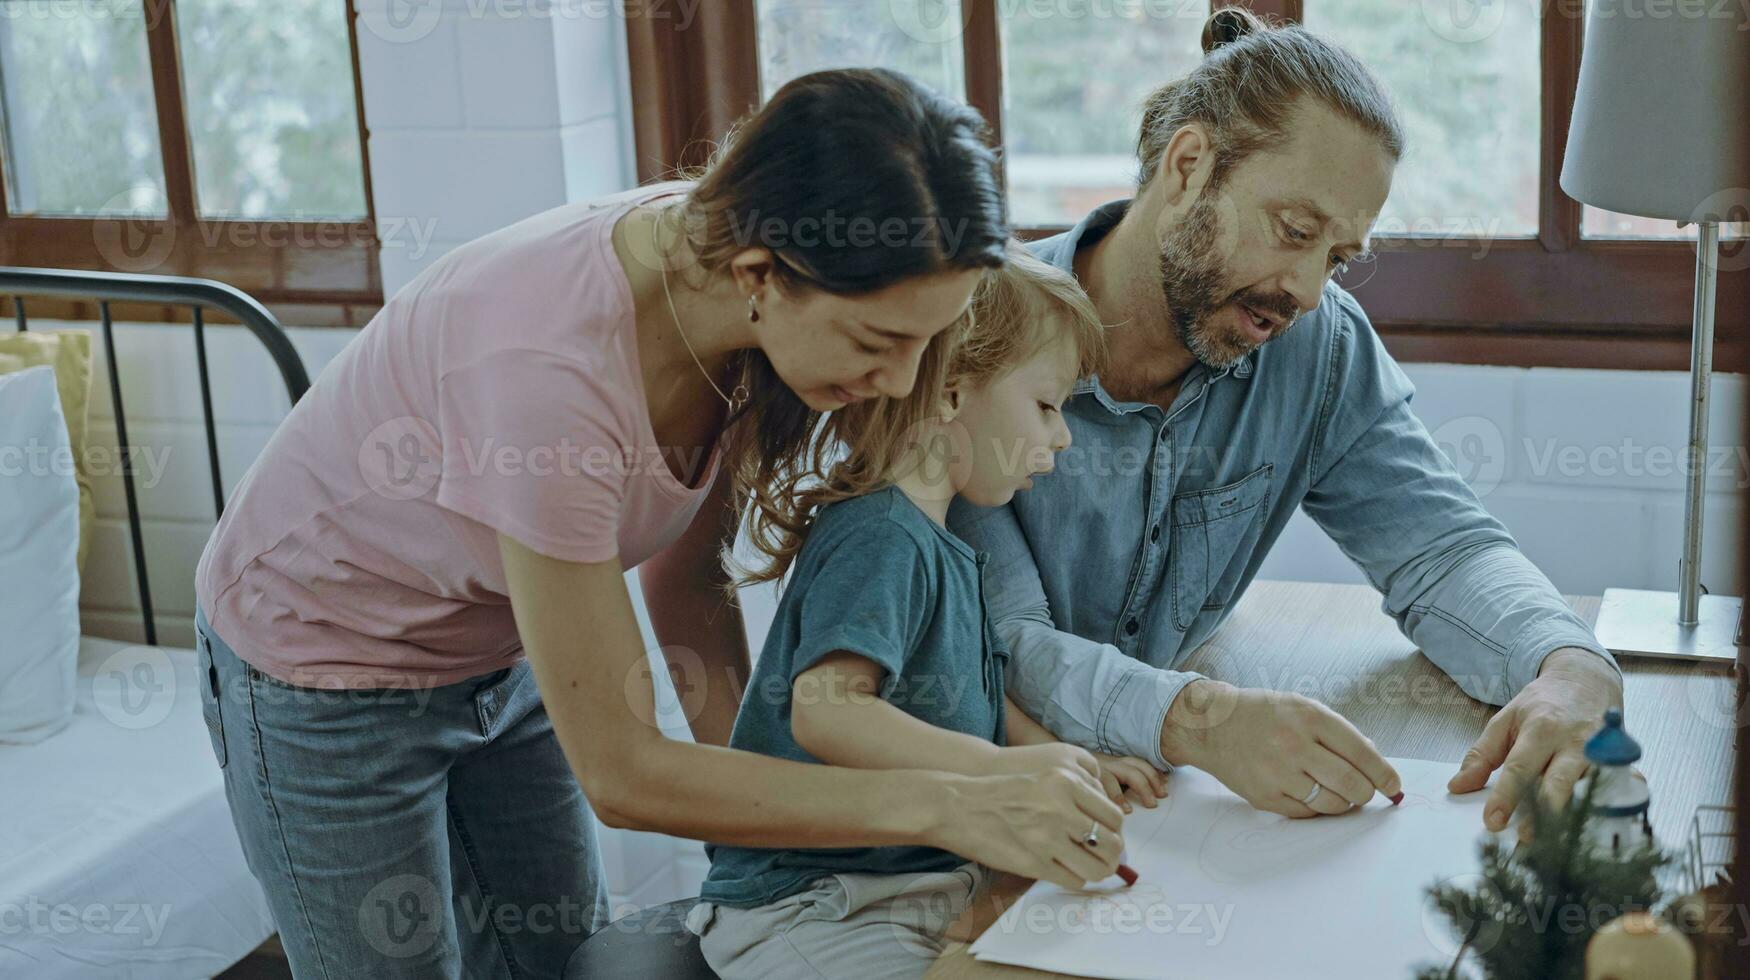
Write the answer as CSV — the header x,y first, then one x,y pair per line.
x,y
499,702
210,707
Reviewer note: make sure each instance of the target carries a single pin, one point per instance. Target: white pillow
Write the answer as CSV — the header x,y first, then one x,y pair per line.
x,y
39,572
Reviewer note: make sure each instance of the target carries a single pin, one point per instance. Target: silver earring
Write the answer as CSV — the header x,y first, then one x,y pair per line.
x,y
753,312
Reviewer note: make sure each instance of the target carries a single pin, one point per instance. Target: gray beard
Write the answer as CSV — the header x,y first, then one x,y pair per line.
x,y
1192,285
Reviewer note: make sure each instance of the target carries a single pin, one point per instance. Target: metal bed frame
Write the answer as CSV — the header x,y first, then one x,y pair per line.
x,y
196,294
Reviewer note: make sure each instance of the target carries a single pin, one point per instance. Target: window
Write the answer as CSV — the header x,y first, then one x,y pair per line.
x,y
1599,223
218,138
271,113
1073,88
86,63
800,36
1481,257
1469,104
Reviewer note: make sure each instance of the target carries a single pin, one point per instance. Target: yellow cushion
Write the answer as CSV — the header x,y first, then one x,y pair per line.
x,y
68,352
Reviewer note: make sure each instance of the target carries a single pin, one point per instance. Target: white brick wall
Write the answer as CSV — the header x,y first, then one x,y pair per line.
x,y
482,112
1584,467
161,391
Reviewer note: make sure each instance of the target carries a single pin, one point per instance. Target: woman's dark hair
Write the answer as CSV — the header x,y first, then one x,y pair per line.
x,y
1246,87
854,179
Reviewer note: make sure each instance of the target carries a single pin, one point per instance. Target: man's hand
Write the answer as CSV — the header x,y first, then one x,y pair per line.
x,y
1269,747
1541,733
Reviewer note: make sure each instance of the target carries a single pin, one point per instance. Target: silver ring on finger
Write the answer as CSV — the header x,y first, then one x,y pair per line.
x,y
1092,837
1312,795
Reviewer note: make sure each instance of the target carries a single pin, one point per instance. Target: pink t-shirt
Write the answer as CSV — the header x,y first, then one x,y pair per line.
x,y
499,392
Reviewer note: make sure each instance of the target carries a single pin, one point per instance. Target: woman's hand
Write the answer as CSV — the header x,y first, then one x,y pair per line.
x,y
1127,779
1034,824
583,644
1022,760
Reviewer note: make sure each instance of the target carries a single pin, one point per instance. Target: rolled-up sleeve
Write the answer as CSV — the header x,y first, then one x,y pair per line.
x,y
1086,693
1450,573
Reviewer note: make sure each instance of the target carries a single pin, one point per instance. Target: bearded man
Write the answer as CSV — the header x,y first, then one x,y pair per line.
x,y
1246,383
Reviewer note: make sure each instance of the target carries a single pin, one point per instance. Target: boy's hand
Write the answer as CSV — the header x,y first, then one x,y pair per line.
x,y
1128,778
1125,778
1026,760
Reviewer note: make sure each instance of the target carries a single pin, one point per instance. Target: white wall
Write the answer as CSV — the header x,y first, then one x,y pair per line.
x,y
481,113
1585,469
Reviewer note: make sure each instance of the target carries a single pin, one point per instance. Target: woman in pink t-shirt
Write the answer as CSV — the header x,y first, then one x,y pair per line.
x,y
420,651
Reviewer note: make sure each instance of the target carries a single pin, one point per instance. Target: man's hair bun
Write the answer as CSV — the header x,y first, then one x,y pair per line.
x,y
1228,25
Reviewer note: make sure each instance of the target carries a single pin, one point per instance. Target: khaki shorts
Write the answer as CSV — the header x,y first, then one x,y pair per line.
x,y
843,927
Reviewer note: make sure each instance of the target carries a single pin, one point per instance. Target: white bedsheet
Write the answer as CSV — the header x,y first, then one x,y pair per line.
x,y
117,853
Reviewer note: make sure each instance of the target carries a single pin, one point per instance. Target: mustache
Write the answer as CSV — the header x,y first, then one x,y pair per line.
x,y
1279,305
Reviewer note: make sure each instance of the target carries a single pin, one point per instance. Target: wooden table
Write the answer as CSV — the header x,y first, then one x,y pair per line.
x,y
1332,643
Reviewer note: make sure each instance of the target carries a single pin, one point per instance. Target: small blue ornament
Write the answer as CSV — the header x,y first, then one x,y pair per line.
x,y
1611,745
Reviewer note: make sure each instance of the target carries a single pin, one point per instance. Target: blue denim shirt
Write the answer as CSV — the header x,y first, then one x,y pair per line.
x,y
1114,567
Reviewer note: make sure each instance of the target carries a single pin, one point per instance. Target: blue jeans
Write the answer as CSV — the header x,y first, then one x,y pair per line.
x,y
406,833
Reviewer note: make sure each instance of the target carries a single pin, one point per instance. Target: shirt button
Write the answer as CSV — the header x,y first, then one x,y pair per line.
x,y
1131,627
1154,533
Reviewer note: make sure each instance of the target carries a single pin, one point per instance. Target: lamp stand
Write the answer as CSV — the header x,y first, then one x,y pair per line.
x,y
1685,625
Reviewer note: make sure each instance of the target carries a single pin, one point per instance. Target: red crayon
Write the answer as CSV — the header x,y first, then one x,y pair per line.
x,y
1128,873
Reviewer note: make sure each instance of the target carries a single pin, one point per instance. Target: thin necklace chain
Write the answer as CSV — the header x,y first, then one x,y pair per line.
x,y
662,263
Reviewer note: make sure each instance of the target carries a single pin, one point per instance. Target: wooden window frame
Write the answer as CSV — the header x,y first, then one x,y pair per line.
x,y
315,273
1557,299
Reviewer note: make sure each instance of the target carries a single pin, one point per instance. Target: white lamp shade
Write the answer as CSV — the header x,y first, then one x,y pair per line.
x,y
1661,124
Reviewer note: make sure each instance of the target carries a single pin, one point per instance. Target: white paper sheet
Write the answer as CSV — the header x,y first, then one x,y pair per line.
x,y
1233,892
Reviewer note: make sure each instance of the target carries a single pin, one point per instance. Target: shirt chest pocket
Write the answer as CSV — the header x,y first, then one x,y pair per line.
x,y
1211,528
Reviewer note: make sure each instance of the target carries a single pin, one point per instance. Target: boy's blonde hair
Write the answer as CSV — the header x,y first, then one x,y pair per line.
x,y
1015,311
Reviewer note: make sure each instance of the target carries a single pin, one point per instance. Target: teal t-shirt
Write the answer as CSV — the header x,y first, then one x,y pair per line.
x,y
878,578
